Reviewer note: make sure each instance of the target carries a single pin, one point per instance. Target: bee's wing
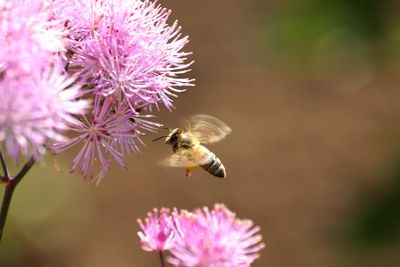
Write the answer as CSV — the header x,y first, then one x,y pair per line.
x,y
188,157
208,129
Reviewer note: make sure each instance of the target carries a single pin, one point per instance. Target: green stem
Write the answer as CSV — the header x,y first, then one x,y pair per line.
x,y
12,183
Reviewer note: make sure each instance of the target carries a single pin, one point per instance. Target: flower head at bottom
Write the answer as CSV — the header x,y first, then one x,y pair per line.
x,y
203,238
157,231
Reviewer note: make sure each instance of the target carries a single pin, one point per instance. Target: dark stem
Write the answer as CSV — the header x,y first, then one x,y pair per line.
x,y
10,187
4,167
160,253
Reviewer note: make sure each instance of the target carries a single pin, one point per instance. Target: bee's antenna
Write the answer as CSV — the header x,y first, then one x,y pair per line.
x,y
160,138
167,128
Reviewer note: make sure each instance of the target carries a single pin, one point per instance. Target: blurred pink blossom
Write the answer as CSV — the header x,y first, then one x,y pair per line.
x,y
38,99
214,239
157,231
202,238
36,109
29,37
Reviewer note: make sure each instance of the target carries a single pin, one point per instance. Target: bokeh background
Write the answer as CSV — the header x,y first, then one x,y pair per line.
x,y
311,90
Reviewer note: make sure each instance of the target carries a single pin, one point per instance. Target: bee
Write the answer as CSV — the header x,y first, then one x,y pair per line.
x,y
188,149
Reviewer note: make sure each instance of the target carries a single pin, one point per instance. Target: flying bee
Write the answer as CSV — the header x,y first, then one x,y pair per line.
x,y
188,149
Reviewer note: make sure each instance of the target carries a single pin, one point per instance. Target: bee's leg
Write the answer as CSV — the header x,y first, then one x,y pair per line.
x,y
189,171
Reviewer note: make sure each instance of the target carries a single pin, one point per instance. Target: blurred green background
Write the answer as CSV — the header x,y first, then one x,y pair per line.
x,y
311,90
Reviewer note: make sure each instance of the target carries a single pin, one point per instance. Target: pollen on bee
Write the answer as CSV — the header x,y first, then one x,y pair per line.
x,y
189,171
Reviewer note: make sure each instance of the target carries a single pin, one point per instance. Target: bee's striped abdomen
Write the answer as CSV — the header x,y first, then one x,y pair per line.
x,y
215,166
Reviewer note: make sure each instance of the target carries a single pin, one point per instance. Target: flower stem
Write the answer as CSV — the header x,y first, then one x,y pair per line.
x,y
160,253
4,167
12,182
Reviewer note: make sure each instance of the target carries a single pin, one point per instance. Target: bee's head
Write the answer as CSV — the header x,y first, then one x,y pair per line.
x,y
173,137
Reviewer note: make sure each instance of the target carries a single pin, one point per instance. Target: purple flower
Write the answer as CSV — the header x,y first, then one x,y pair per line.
x,y
38,99
109,133
125,49
129,60
214,239
29,37
35,110
157,231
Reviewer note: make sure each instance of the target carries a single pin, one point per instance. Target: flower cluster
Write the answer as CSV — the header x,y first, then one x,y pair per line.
x,y
157,230
202,238
61,59
38,99
125,49
29,37
128,59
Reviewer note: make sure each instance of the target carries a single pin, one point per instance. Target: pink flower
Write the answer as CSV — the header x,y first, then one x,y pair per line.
x,y
36,109
125,49
110,133
38,99
214,239
157,231
129,60
29,37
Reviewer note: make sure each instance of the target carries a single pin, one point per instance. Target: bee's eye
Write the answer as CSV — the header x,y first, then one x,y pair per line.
x,y
174,138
